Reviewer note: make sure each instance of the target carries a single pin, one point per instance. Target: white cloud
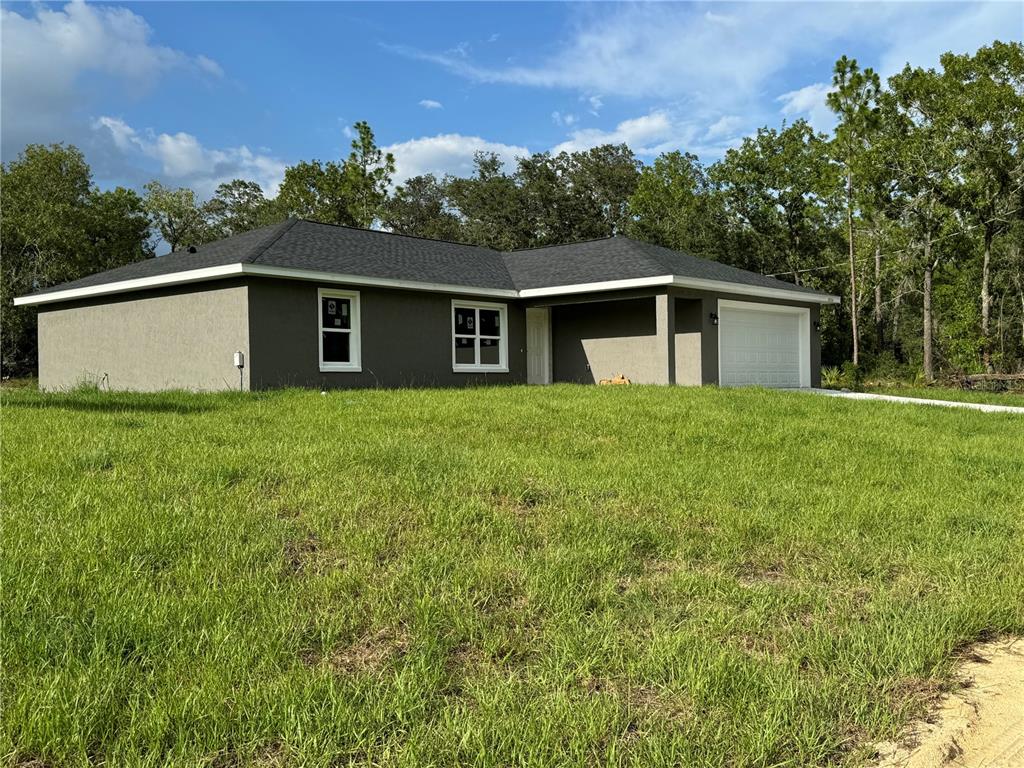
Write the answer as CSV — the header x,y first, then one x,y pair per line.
x,y
183,160
726,125
431,104
446,153
809,102
565,119
648,134
595,103
44,54
722,61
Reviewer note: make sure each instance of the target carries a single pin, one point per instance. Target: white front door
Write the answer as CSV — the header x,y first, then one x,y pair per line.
x,y
763,345
538,345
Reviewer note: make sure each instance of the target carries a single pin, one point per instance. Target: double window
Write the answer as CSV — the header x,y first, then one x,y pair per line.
x,y
339,330
479,337
479,334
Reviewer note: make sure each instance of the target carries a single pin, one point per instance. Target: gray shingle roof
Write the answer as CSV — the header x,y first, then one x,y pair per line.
x,y
308,245
615,258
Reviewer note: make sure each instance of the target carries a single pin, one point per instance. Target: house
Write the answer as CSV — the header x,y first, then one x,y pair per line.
x,y
318,305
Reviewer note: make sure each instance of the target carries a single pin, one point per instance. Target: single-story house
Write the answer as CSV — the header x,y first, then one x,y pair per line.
x,y
317,305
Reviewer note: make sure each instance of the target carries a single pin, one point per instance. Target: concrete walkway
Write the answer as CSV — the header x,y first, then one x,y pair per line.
x,y
986,407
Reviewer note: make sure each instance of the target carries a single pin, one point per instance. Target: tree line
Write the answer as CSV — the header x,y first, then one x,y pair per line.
x,y
912,210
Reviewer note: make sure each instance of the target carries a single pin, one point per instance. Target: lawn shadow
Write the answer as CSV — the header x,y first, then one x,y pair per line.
x,y
111,404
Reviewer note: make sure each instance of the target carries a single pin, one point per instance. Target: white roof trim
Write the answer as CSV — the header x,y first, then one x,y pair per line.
x,y
140,283
741,289
288,273
260,270
606,285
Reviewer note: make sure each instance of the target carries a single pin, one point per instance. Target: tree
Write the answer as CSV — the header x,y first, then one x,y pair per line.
x,y
175,214
551,208
367,172
677,205
607,176
984,117
351,193
420,207
854,99
57,227
491,205
239,206
117,228
777,187
923,169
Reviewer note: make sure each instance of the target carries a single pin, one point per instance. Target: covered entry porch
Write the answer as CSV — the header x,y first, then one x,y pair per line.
x,y
672,336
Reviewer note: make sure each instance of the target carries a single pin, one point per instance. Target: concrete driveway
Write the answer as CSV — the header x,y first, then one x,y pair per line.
x,y
986,407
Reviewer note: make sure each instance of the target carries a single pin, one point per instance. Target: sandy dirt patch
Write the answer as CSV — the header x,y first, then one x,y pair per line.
x,y
979,726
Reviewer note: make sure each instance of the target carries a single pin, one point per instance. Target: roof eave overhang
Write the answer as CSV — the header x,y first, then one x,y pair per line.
x,y
678,281
764,292
252,270
287,273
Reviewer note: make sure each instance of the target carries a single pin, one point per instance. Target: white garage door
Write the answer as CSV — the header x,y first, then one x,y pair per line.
x,y
763,345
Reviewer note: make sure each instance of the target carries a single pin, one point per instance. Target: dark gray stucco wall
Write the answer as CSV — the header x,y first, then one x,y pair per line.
x,y
173,338
406,338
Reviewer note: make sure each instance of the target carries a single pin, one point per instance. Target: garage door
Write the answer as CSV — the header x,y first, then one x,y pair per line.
x,y
763,345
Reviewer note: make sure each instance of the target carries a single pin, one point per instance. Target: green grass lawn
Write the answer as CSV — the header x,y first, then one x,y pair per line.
x,y
1015,399
526,576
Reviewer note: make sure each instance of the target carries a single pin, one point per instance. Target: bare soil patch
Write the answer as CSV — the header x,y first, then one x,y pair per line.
x,y
979,726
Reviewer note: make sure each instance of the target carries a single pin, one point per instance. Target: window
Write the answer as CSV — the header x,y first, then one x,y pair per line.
x,y
339,330
479,337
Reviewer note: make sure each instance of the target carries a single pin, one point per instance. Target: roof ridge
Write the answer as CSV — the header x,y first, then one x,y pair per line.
x,y
564,245
269,240
398,234
647,255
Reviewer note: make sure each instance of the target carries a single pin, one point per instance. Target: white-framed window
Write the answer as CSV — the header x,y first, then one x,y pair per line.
x,y
338,318
479,336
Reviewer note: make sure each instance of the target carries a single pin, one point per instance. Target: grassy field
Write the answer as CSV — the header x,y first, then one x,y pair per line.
x,y
1015,399
591,576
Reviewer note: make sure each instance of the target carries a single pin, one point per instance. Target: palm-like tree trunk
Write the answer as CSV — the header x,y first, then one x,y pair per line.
x,y
853,265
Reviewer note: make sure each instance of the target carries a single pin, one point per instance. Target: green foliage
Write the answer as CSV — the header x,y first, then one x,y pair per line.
x,y
176,216
239,206
426,578
779,185
548,199
57,226
852,375
491,205
351,193
832,377
677,205
420,207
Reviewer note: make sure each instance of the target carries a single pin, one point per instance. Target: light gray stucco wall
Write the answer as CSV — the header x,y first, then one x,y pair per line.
x,y
406,338
598,339
596,336
182,338
689,325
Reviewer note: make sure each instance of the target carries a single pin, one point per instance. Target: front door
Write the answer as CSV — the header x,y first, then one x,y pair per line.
x,y
538,345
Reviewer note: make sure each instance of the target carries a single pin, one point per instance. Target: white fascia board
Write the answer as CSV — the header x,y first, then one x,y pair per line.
x,y
140,283
258,270
607,285
263,270
739,289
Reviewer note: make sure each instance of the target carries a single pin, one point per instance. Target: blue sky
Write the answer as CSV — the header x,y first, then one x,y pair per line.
x,y
198,93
